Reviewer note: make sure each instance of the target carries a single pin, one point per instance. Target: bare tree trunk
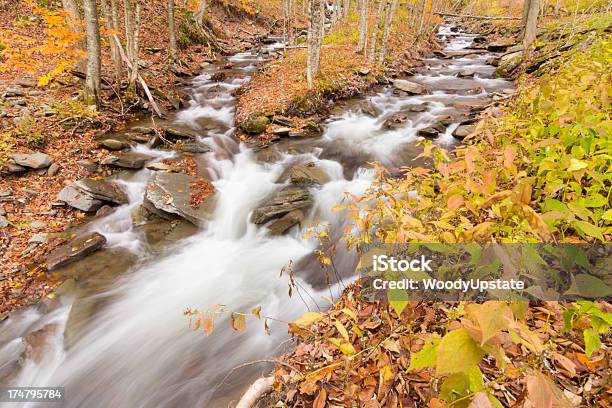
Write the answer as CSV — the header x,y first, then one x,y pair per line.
x,y
391,6
74,19
423,12
316,20
363,26
199,15
531,25
112,25
173,47
92,75
375,28
557,7
132,27
524,17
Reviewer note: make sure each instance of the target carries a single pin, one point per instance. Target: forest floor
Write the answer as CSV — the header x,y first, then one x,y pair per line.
x,y
51,119
371,354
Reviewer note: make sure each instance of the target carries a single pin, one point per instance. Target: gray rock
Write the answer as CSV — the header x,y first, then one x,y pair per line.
x,y
288,199
88,164
102,190
468,73
54,168
509,63
283,121
77,199
74,250
40,238
13,92
143,129
37,224
287,221
3,221
173,132
104,211
195,147
130,160
30,192
463,131
112,144
33,160
15,168
26,83
282,131
308,174
2,211
408,86
500,45
170,193
395,121
363,71
429,132
160,167
6,193
57,204
417,108
36,93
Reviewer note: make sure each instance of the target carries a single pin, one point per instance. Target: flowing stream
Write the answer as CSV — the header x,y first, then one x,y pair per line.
x,y
137,350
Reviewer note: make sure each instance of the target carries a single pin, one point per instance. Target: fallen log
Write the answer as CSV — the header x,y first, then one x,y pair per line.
x,y
478,17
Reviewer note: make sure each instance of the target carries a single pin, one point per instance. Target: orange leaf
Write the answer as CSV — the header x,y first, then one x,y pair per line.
x,y
319,402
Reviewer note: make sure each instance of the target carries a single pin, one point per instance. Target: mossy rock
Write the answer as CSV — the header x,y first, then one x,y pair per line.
x,y
509,63
256,123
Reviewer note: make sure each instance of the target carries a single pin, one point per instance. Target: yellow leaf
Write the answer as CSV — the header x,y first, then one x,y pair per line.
x,y
342,330
576,165
238,321
308,319
208,326
256,312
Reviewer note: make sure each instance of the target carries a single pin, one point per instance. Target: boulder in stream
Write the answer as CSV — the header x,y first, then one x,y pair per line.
x,y
75,249
287,221
286,200
408,86
129,160
78,199
463,131
169,194
283,121
308,174
500,45
104,190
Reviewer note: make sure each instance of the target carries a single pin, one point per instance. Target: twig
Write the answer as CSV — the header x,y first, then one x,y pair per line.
x,y
250,363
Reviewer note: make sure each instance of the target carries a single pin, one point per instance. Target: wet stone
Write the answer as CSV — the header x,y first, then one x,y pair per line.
x,y
111,144
283,121
408,86
75,249
284,223
308,174
79,200
102,190
130,160
283,202
463,131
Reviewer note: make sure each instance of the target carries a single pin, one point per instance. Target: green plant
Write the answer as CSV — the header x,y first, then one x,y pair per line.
x,y
591,319
26,130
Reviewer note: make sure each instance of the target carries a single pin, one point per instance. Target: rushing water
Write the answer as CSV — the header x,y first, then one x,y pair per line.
x,y
137,350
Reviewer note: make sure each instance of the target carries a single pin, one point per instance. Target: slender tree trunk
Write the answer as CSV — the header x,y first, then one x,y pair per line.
x,y
557,7
531,26
199,15
74,19
389,15
316,20
132,28
92,75
423,12
524,17
363,26
173,47
112,25
375,28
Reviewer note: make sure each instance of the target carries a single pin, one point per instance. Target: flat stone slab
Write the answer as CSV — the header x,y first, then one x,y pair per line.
x,y
288,199
308,174
78,199
129,160
170,193
75,249
102,190
408,86
33,160
283,224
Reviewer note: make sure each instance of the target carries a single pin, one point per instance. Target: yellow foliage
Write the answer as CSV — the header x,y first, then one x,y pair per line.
x,y
54,55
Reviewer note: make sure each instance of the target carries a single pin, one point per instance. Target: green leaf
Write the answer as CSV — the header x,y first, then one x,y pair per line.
x,y
580,211
457,352
454,387
398,298
595,200
426,357
589,286
592,341
588,229
607,216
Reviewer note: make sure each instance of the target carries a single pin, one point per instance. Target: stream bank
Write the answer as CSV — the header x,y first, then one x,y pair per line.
x,y
120,321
